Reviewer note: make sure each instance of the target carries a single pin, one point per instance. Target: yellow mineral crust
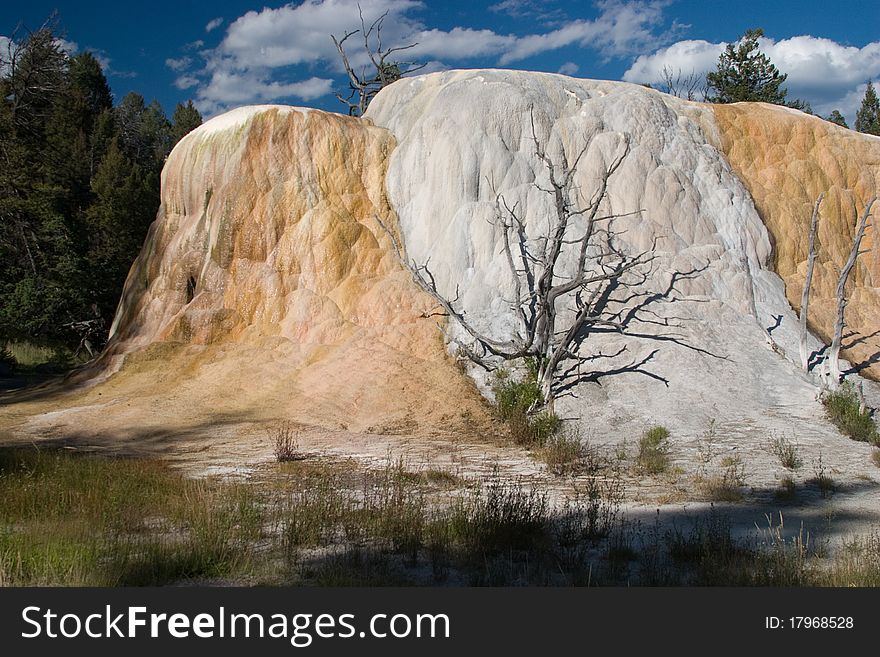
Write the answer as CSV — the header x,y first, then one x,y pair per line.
x,y
786,159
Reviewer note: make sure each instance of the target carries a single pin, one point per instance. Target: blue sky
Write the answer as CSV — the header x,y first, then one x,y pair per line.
x,y
227,53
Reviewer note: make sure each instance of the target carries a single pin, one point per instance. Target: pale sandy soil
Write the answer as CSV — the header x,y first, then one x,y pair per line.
x,y
202,440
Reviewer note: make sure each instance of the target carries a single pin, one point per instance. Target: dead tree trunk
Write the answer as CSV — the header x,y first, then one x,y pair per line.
x,y
808,281
833,367
541,289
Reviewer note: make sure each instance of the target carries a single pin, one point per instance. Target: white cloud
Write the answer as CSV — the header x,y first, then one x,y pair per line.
x,y
225,89
69,47
296,35
179,64
213,24
621,28
569,68
186,82
823,72
459,43
541,10
260,45
103,60
685,56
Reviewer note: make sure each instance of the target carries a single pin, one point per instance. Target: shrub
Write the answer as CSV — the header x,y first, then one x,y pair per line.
x,y
543,425
653,455
728,486
285,443
786,452
844,408
821,479
875,457
565,453
514,398
787,489
515,403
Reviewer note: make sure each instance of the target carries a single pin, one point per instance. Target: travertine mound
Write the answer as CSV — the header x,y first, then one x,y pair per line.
x,y
786,159
268,275
465,136
268,290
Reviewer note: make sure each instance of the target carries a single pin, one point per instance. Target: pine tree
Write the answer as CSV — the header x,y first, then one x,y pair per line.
x,y
117,223
837,117
79,186
186,119
868,116
744,73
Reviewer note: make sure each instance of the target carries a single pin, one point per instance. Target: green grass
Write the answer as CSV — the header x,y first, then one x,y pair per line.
x,y
75,520
843,407
70,519
787,490
653,456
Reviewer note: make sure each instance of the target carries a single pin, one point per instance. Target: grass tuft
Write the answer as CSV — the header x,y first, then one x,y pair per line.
x,y
84,520
285,443
565,453
845,409
653,456
787,452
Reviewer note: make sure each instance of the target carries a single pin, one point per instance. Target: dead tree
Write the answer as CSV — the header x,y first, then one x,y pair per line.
x,y
689,87
364,86
808,281
543,293
833,364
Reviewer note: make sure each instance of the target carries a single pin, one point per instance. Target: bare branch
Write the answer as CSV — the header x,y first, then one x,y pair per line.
x,y
808,281
833,362
364,86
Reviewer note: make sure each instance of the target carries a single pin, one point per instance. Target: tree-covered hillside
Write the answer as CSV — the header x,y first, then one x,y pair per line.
x,y
79,186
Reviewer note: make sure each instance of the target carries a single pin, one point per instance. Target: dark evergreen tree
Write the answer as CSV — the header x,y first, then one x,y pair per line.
x,y
868,116
837,117
117,221
744,73
186,119
79,186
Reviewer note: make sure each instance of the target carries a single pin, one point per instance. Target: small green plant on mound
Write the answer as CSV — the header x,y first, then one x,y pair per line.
x,y
565,453
844,408
821,479
516,401
787,453
727,487
653,455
